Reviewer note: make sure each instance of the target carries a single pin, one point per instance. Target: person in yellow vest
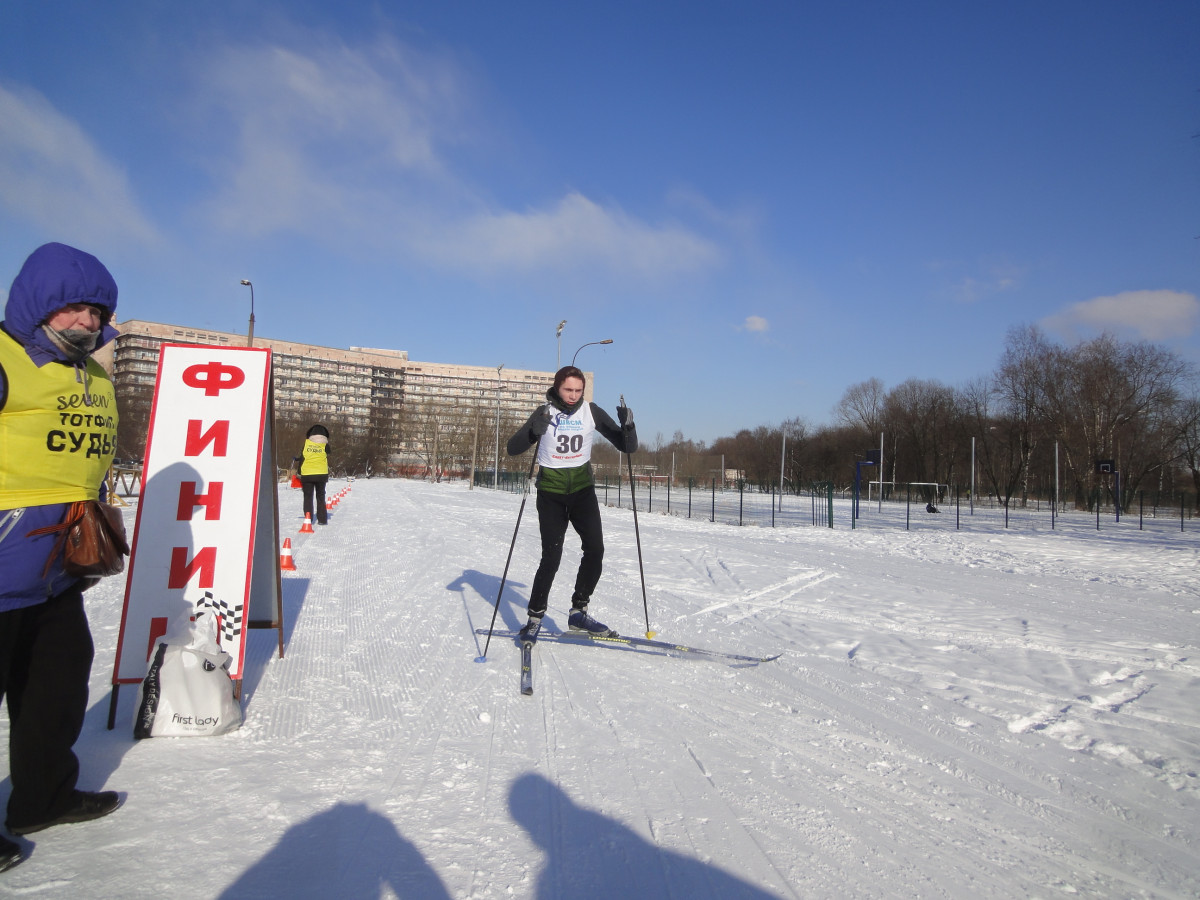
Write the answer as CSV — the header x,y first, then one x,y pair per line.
x,y
313,467
58,426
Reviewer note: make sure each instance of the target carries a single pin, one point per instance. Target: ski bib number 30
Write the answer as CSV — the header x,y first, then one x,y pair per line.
x,y
568,440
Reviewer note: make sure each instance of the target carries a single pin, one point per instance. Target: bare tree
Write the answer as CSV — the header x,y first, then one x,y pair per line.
x,y
439,435
1104,399
1187,425
133,423
1021,384
754,453
921,415
794,452
862,406
1001,447
693,461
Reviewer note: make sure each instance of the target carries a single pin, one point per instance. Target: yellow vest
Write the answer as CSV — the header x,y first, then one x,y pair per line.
x,y
55,445
316,460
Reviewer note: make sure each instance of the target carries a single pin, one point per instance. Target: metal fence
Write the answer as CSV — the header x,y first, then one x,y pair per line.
x,y
512,482
907,508
737,506
821,506
1146,511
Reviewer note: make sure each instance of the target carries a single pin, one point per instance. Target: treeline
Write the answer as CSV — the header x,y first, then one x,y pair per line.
x,y
1135,405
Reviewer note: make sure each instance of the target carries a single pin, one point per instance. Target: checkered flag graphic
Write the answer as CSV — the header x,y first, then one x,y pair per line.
x,y
230,616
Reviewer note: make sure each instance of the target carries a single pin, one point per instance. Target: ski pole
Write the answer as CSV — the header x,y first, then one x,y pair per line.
x,y
638,536
504,577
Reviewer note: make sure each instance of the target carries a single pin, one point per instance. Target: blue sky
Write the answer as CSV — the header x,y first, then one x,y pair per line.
x,y
760,203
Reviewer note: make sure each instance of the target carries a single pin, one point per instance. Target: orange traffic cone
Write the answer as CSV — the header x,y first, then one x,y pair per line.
x,y
286,564
307,528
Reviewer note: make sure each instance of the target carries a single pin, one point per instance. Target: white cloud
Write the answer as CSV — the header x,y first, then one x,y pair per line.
x,y
322,141
1148,315
352,145
755,323
985,279
575,232
52,174
972,290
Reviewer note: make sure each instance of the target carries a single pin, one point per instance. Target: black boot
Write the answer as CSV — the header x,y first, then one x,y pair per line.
x,y
579,620
530,632
85,806
10,854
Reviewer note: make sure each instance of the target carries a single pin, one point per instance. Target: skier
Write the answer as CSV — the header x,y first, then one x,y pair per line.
x,y
563,430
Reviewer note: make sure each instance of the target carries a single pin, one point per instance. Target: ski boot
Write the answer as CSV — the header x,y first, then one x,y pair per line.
x,y
579,621
529,633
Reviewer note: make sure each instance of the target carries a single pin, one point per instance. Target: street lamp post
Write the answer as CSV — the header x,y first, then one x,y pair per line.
x,y
250,333
589,344
496,473
558,334
475,442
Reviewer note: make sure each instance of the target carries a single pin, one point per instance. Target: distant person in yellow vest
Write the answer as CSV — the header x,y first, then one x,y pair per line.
x,y
58,428
313,467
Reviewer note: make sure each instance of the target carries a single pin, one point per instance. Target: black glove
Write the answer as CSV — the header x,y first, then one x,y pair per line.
x,y
540,423
625,415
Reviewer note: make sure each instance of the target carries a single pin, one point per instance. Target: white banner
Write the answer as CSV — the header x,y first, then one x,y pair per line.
x,y
203,479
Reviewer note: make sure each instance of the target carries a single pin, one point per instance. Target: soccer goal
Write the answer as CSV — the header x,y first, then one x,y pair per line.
x,y
931,492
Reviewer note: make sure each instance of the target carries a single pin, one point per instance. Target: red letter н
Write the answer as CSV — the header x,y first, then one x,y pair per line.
x,y
189,499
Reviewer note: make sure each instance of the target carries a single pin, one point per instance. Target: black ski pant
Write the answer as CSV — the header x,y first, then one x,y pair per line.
x,y
581,510
315,484
45,661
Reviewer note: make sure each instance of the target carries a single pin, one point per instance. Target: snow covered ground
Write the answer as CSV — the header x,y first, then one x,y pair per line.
x,y
955,714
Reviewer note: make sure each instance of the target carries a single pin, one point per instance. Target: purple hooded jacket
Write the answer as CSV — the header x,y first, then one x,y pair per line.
x,y
53,276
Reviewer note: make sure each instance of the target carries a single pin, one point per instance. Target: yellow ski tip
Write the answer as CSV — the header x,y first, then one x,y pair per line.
x,y
650,634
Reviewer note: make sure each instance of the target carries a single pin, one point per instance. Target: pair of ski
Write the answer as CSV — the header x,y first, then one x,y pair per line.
x,y
636,644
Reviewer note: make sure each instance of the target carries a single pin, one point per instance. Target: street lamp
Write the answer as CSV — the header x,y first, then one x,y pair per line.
x,y
496,473
558,334
250,334
589,344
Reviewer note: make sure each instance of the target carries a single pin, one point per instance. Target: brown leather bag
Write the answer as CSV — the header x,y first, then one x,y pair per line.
x,y
91,540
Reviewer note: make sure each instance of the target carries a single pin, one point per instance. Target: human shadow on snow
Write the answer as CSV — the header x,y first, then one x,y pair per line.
x,y
592,856
512,608
349,852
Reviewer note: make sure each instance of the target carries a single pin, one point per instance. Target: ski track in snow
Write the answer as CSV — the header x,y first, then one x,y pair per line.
x,y
953,715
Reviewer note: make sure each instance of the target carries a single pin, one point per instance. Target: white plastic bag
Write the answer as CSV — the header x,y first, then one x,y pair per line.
x,y
187,691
